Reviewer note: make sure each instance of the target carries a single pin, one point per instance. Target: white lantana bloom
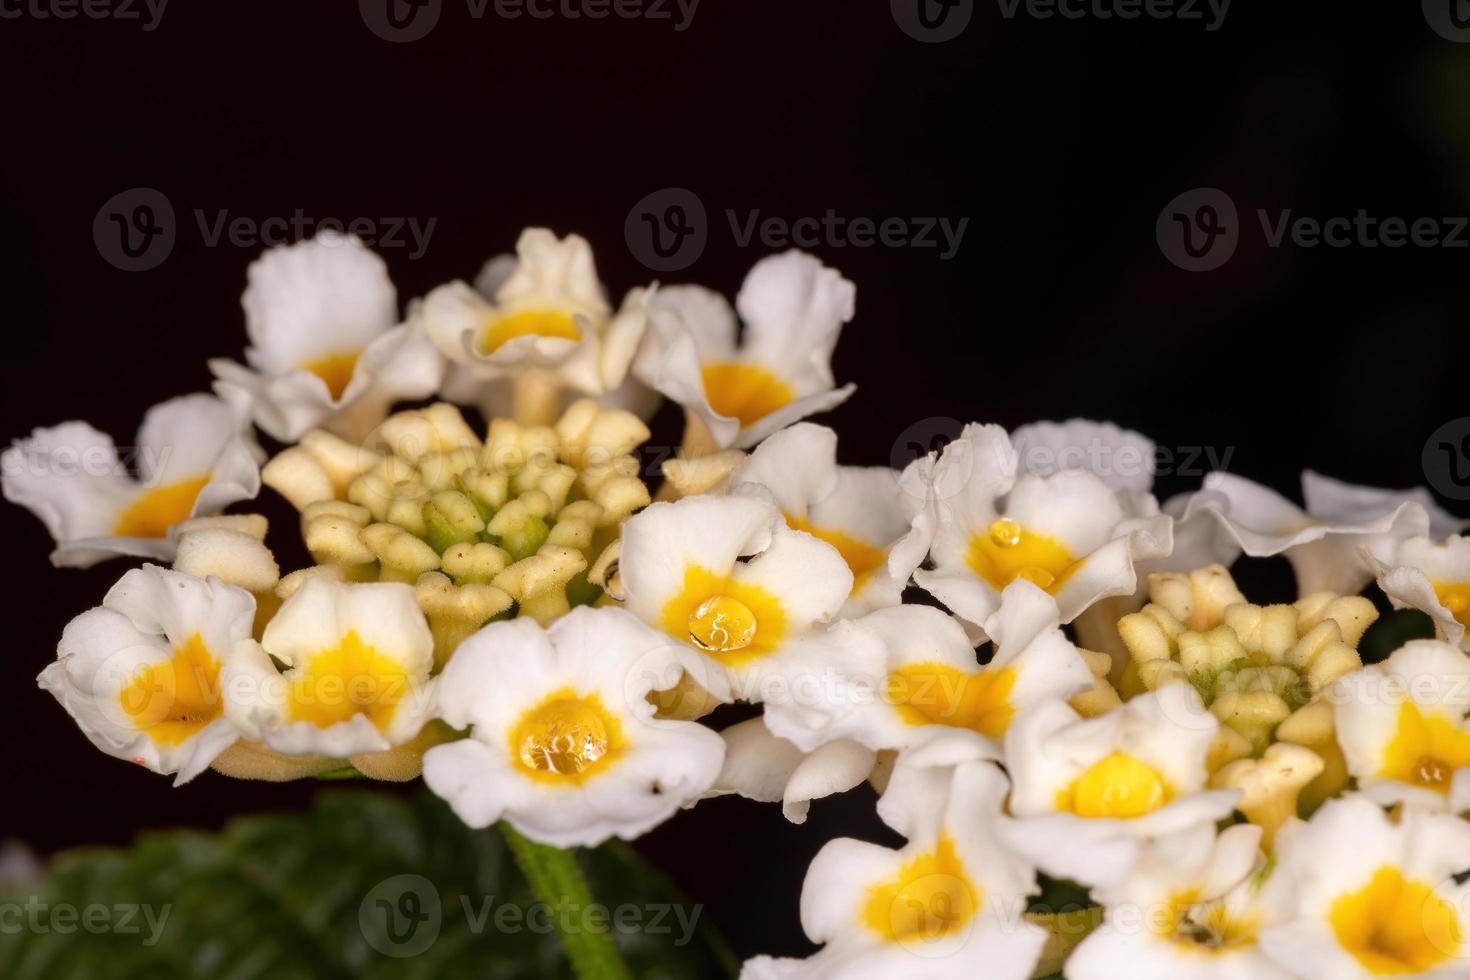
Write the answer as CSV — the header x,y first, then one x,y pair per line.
x,y
563,740
762,766
726,577
542,310
326,347
1194,907
1322,542
140,674
1068,532
1087,792
1373,895
194,455
778,372
862,511
1432,577
357,661
934,688
948,904
1402,726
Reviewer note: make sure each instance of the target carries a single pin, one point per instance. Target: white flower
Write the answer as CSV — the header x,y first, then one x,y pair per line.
x,y
862,511
728,578
1373,895
194,455
1193,907
356,681
1402,726
326,348
1067,532
543,309
563,739
780,371
1322,542
762,766
947,904
140,674
934,688
1087,792
1433,577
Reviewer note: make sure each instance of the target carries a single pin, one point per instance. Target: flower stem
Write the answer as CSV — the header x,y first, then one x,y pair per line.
x,y
558,883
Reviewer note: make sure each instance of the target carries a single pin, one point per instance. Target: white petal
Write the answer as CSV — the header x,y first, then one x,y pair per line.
x,y
1121,458
794,308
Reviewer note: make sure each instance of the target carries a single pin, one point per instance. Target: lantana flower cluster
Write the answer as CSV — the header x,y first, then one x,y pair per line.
x,y
1048,676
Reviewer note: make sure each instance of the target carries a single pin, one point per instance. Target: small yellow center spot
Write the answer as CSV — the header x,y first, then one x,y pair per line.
x,y
1117,786
568,737
1005,551
862,558
529,323
173,701
1425,750
157,510
929,899
1206,927
1394,925
721,624
1455,596
731,621
746,392
335,369
938,694
348,680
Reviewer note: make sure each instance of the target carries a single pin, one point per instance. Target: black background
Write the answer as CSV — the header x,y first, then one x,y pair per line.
x,y
1060,140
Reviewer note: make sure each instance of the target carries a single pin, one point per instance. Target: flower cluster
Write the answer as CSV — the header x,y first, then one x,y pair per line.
x,y
1048,675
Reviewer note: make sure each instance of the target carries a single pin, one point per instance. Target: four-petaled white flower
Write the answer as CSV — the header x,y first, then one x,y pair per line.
x,y
1433,577
864,512
194,455
949,903
1086,793
564,743
326,346
1323,541
356,681
1373,895
1065,530
727,577
140,674
778,372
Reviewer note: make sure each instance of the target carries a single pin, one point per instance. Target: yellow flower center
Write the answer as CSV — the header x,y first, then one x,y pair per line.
x,y
1455,596
335,369
157,510
567,737
173,701
862,558
348,680
1206,927
938,694
930,898
1117,786
1006,551
1425,751
732,621
1393,925
746,392
529,323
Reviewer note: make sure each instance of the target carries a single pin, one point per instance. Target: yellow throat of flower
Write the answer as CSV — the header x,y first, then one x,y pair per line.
x,y
1455,596
335,369
862,558
731,621
1005,551
1394,925
528,323
1425,750
567,738
157,510
173,701
747,392
938,694
929,899
350,679
1116,786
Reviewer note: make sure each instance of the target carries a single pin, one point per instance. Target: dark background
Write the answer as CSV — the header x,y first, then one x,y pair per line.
x,y
1061,141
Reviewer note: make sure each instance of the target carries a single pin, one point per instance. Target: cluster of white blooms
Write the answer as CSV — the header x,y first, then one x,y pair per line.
x,y
1075,690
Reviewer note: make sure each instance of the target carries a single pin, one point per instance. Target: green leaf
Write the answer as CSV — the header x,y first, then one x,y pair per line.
x,y
1392,631
361,886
